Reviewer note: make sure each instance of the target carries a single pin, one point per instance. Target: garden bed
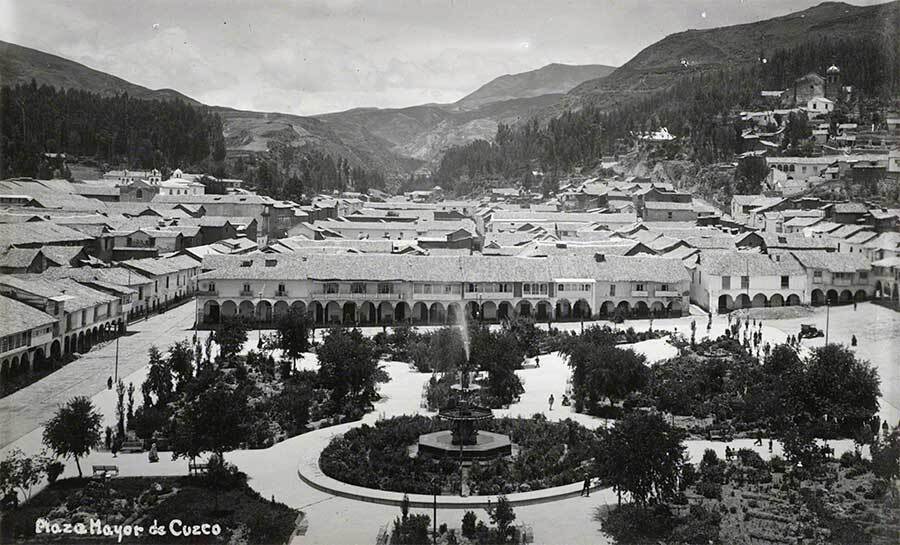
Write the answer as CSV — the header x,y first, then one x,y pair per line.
x,y
240,511
548,454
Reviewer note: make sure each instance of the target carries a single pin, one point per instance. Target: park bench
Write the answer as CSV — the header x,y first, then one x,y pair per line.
x,y
197,469
135,445
105,471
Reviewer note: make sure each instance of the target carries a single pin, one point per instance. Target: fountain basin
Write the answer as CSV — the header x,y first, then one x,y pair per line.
x,y
486,445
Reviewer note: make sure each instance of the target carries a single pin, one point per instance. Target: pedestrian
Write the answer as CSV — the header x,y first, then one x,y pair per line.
x,y
109,383
758,441
770,446
586,489
853,340
551,402
115,445
153,456
537,361
108,441
854,305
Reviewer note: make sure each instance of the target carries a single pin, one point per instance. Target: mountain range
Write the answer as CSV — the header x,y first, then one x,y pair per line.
x,y
399,140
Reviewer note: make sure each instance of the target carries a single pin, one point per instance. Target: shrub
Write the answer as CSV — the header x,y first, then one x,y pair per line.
x,y
750,458
630,523
777,464
469,521
411,530
710,490
54,470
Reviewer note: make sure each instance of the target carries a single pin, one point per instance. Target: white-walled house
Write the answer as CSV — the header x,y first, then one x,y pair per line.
x,y
727,280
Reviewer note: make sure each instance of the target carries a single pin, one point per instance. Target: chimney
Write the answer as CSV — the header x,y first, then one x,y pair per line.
x,y
600,258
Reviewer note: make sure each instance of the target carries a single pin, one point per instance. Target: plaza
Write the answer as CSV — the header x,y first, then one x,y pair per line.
x,y
334,518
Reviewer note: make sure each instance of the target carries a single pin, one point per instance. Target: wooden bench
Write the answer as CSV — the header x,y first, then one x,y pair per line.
x,y
197,469
105,471
132,446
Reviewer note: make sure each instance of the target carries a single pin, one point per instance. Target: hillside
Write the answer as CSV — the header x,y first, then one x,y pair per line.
x,y
20,64
549,80
693,51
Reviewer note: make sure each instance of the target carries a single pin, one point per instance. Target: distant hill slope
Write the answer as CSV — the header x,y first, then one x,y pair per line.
x,y
660,64
20,64
394,141
551,79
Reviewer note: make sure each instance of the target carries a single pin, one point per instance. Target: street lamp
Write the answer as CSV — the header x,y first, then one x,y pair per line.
x,y
827,318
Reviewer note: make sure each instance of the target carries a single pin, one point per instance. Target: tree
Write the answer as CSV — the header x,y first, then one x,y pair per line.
x,y
841,388
214,421
293,334
886,455
502,514
651,476
605,371
231,336
749,174
348,367
181,362
159,380
74,430
22,472
500,355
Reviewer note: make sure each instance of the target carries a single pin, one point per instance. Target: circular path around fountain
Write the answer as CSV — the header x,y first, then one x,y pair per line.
x,y
311,474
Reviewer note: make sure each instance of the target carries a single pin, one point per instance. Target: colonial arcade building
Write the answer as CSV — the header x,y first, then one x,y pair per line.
x,y
371,289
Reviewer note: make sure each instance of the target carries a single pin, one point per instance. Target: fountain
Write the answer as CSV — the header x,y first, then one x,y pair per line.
x,y
464,439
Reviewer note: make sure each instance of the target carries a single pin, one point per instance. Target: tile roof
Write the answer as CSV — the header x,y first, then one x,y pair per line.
x,y
78,296
16,317
736,263
381,267
19,258
833,261
112,275
38,232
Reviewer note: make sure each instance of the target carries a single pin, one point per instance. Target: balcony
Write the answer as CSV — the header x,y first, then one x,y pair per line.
x,y
475,295
208,293
358,296
437,296
281,293
667,293
247,293
639,293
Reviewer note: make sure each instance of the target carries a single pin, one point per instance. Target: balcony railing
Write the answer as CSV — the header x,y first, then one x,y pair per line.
x,y
639,293
666,293
364,295
208,293
281,293
247,293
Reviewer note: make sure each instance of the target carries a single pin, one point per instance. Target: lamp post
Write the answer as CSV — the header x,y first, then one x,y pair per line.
x,y
827,318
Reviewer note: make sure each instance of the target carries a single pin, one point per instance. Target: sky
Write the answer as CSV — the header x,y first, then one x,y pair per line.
x,y
317,56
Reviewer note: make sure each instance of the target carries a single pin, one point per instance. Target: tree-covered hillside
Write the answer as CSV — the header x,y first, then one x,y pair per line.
x,y
116,130
699,108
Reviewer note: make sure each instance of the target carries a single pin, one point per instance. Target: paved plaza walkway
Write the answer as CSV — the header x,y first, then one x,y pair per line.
x,y
336,520
25,410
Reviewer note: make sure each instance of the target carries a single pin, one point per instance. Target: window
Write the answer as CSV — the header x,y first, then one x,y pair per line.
x,y
668,215
612,290
817,277
271,262
526,288
745,282
561,287
785,281
331,287
863,275
246,288
726,282
212,286
504,287
167,282
358,287
385,287
448,288
281,288
471,288
427,288
639,287
664,287
247,263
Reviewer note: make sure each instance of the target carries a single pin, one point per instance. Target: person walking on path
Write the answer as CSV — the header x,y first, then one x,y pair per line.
x,y
586,489
153,456
854,305
537,361
551,401
115,445
770,446
758,441
853,340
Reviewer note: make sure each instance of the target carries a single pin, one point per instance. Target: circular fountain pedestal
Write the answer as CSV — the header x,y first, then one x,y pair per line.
x,y
487,445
